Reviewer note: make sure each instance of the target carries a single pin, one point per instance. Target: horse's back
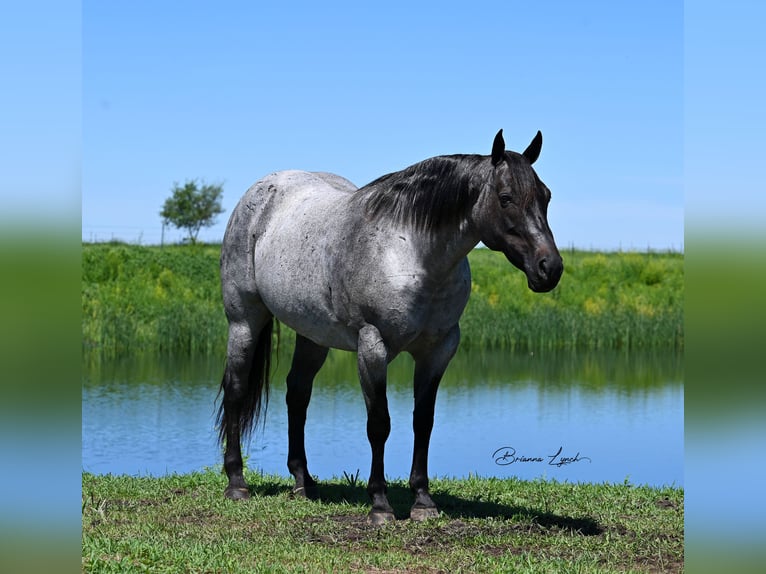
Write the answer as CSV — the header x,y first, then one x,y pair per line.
x,y
337,182
281,186
273,197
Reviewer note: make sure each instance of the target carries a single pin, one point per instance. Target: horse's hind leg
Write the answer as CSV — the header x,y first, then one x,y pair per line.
x,y
245,390
307,360
431,360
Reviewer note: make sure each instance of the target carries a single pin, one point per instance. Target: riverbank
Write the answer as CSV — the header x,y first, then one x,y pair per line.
x,y
168,300
183,523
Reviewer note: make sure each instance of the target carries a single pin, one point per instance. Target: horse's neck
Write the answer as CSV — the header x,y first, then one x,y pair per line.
x,y
446,247
431,202
441,251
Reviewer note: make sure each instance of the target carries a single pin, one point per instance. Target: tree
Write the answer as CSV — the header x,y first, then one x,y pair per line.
x,y
192,207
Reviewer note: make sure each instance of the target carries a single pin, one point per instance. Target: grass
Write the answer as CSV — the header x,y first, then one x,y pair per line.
x,y
164,299
182,523
604,301
168,300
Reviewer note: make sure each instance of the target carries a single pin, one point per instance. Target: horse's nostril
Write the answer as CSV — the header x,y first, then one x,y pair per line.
x,y
543,267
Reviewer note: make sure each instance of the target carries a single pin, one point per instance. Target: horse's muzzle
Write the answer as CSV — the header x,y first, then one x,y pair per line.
x,y
545,273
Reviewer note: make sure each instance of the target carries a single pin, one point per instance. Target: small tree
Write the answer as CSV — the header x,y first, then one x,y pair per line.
x,y
192,207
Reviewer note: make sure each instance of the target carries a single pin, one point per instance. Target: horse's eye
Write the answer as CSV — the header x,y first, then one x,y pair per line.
x,y
505,200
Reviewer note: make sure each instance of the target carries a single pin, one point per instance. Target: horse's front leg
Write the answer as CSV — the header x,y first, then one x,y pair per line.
x,y
431,359
373,362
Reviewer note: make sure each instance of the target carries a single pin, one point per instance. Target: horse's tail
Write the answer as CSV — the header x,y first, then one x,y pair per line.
x,y
252,405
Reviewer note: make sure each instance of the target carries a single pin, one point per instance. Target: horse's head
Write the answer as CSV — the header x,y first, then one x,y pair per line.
x,y
512,215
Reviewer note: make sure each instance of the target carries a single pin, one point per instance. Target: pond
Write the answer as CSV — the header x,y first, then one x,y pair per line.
x,y
577,417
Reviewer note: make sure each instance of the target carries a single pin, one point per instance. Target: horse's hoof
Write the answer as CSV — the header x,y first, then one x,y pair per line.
x,y
421,513
380,517
236,493
309,492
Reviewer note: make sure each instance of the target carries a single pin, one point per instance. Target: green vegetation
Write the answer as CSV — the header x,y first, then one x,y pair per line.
x,y
182,523
168,300
604,300
192,208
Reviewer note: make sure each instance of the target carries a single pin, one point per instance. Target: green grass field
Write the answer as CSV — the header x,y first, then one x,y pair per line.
x,y
182,523
168,300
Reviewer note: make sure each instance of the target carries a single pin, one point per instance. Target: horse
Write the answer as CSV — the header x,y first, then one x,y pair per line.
x,y
378,270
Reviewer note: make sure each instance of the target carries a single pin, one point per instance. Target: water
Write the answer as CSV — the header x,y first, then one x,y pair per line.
x,y
596,417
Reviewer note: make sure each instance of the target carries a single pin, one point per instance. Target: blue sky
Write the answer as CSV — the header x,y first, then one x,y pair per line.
x,y
230,91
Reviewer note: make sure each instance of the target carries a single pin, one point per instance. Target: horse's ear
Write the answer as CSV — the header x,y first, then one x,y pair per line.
x,y
498,148
533,151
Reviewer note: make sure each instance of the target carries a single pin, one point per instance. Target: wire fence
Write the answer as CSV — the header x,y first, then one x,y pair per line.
x,y
139,235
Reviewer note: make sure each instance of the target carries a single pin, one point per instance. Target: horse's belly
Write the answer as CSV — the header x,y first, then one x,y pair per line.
x,y
294,289
326,334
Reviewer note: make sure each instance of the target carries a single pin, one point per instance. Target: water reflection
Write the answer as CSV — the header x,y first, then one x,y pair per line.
x,y
622,411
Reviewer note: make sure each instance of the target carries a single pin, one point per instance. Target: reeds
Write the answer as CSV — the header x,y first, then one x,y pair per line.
x,y
147,298
168,300
604,301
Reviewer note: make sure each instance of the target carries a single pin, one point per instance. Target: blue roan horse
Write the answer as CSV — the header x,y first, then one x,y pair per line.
x,y
377,270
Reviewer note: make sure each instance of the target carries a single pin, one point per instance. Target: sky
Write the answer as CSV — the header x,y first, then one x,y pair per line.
x,y
228,92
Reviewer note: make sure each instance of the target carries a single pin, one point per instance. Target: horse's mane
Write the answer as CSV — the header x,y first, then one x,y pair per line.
x,y
429,195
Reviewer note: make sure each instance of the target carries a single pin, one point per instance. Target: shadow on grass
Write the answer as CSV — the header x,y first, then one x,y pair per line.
x,y
452,506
